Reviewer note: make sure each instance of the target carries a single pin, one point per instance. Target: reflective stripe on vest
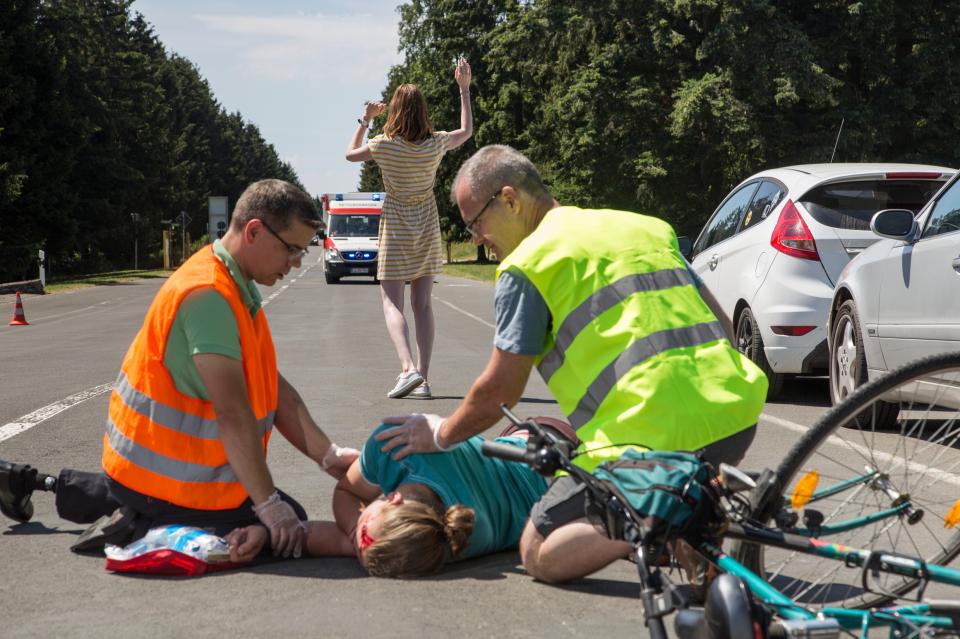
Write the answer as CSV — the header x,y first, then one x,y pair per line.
x,y
639,352
634,354
602,300
163,465
186,423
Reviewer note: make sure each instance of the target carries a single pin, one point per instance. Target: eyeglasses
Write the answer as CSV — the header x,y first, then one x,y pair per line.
x,y
471,223
294,253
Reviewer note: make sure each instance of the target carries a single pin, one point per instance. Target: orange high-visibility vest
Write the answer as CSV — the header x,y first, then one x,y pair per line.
x,y
162,443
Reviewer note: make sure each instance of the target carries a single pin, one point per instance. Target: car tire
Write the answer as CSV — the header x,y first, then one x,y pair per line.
x,y
331,279
750,343
848,364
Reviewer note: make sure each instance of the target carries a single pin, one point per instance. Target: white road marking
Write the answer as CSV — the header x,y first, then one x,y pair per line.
x,y
274,295
42,414
467,313
868,453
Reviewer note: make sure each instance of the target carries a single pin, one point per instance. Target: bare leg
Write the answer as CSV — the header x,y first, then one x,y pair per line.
x,y
571,551
392,293
421,302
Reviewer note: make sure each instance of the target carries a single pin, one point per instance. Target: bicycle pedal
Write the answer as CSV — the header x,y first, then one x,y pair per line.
x,y
813,518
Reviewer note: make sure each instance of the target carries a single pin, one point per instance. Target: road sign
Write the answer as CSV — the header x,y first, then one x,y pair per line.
x,y
218,216
183,219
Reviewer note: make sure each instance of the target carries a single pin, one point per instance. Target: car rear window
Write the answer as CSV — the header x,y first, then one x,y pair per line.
x,y
851,205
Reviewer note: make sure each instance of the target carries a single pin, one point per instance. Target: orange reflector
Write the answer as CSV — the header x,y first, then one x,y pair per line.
x,y
953,517
804,490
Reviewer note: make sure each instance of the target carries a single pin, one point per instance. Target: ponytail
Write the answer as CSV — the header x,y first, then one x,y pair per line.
x,y
458,523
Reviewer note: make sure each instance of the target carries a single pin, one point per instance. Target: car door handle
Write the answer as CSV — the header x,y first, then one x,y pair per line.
x,y
714,260
956,264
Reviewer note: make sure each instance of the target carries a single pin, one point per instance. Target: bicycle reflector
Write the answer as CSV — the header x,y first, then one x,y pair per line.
x,y
953,517
803,491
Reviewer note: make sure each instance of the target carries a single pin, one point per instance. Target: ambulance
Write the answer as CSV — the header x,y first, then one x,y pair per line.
x,y
352,226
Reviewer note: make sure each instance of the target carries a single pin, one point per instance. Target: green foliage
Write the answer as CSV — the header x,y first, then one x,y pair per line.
x,y
98,121
662,106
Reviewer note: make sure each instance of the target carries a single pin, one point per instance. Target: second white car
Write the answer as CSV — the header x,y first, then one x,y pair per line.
x,y
774,248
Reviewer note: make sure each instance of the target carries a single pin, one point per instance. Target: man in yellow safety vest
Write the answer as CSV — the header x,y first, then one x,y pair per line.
x,y
632,346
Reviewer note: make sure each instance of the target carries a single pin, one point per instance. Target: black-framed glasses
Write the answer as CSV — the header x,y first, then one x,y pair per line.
x,y
471,223
293,252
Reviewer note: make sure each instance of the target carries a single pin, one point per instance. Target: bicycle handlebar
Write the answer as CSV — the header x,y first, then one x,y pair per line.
x,y
504,451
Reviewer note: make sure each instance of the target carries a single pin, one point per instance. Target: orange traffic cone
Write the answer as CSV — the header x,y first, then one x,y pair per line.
x,y
18,319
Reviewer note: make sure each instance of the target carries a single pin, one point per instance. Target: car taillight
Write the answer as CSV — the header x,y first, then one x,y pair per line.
x,y
912,175
791,235
792,331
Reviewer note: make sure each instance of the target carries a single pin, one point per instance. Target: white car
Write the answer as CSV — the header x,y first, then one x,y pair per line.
x,y
774,248
899,301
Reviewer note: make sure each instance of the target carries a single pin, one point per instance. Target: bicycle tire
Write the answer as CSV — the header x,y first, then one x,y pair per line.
x,y
846,428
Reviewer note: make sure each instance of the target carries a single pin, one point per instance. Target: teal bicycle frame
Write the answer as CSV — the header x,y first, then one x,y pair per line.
x,y
944,616
900,505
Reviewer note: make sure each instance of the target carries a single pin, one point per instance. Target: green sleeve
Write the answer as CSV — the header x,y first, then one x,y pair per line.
x,y
209,325
204,324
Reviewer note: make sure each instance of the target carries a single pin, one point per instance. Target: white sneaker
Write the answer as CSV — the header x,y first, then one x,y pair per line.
x,y
406,382
421,392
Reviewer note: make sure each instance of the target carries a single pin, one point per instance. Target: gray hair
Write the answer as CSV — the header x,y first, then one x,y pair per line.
x,y
496,166
276,201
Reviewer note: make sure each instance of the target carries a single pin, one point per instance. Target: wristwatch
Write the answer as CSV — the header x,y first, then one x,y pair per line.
x,y
362,123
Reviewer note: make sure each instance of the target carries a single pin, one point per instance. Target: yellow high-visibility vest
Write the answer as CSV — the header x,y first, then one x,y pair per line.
x,y
634,355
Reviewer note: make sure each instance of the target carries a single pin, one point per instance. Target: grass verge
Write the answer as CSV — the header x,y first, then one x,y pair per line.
x,y
473,271
97,279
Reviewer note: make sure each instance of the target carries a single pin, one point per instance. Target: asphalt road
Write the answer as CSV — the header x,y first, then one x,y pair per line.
x,y
332,345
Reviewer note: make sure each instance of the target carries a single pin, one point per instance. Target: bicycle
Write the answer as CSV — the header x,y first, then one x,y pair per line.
x,y
838,482
741,602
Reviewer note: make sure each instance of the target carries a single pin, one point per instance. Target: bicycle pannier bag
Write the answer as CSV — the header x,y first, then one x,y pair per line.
x,y
670,491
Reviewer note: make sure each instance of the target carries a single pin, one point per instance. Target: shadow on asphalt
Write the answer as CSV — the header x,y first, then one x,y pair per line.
x,y
38,528
807,391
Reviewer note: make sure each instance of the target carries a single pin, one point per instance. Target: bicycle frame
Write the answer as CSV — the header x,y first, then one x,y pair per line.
x,y
900,505
795,620
916,615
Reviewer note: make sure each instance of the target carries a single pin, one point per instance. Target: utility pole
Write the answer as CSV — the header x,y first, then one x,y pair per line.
x,y
183,219
183,236
136,239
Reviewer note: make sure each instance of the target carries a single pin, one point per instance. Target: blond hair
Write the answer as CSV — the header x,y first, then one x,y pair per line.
x,y
415,540
408,115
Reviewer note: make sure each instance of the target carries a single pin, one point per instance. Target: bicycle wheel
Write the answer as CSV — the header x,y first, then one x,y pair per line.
x,y
903,477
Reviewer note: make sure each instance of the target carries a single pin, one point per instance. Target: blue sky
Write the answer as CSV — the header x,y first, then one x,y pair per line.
x,y
299,70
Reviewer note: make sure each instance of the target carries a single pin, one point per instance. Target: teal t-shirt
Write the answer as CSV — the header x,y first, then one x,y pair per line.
x,y
500,493
205,324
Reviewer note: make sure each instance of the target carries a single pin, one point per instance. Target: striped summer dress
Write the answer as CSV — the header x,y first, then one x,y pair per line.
x,y
410,245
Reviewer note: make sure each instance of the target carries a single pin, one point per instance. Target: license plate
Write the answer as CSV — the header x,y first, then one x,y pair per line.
x,y
360,270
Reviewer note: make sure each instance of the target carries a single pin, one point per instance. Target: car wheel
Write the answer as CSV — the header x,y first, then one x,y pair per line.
x,y
331,279
750,343
848,364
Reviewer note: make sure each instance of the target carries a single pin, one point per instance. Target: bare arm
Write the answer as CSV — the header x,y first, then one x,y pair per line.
x,y
325,539
357,151
352,493
502,381
463,76
227,390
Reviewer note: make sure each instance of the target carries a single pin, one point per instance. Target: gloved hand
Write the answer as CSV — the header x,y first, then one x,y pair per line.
x,y
287,532
338,459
